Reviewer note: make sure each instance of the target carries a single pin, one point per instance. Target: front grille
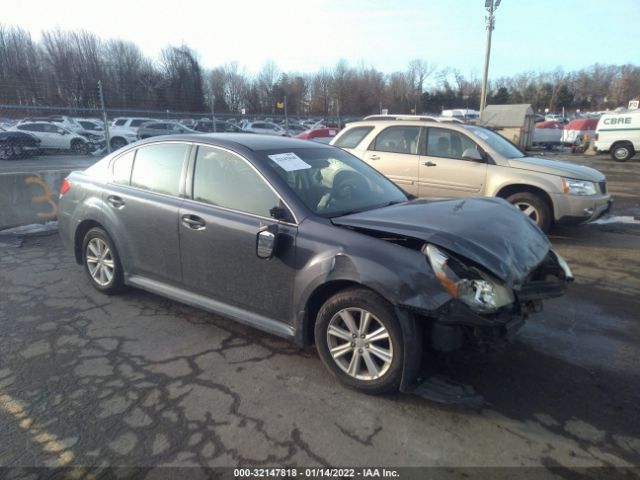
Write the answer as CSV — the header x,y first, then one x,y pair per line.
x,y
603,187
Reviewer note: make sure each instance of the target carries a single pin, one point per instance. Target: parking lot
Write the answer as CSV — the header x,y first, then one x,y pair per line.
x,y
139,380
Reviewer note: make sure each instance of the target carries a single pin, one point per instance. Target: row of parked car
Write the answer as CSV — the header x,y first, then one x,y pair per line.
x,y
88,135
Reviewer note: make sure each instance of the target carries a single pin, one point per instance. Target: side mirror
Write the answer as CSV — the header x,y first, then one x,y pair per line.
x,y
266,241
472,154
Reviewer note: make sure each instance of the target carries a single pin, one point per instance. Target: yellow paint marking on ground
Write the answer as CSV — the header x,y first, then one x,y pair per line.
x,y
48,441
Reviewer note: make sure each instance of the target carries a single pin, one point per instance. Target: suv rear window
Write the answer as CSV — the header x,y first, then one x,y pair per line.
x,y
352,137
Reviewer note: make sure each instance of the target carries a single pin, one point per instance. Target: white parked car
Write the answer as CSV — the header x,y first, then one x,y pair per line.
x,y
55,137
60,120
132,123
266,128
121,136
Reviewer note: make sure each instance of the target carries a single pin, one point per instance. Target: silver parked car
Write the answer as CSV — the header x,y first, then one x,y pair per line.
x,y
308,242
446,160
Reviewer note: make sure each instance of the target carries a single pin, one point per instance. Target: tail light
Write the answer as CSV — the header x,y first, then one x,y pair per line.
x,y
65,187
596,137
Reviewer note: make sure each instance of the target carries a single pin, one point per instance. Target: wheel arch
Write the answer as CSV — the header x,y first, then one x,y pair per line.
x,y
79,235
508,190
305,330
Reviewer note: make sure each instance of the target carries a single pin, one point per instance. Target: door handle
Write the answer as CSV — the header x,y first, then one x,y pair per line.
x,y
115,201
193,222
373,157
429,164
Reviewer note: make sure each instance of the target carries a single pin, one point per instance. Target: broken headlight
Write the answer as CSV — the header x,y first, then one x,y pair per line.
x,y
473,287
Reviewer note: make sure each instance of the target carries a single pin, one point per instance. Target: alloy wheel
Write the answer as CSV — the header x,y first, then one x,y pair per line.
x,y
100,261
529,210
359,343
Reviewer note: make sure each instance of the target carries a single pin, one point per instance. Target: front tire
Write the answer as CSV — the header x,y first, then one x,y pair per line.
x,y
80,148
621,152
101,262
534,207
359,339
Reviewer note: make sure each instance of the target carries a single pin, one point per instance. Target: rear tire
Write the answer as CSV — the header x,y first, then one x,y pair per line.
x,y
101,262
534,207
621,152
359,340
117,143
7,152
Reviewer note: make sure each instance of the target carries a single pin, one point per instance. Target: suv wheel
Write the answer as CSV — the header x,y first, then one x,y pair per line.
x,y
117,143
101,262
359,340
621,152
80,147
534,207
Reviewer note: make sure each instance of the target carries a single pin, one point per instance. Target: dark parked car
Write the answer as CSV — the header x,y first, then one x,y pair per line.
x,y
15,145
307,242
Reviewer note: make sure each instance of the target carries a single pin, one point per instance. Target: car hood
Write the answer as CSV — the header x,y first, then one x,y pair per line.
x,y
488,231
554,167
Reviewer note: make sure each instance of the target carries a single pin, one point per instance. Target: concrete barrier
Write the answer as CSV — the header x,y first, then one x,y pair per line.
x,y
27,198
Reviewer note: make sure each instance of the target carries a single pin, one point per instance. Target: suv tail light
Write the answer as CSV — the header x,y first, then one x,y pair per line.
x,y
596,137
65,187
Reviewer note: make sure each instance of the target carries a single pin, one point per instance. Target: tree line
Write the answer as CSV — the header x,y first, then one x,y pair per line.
x,y
62,69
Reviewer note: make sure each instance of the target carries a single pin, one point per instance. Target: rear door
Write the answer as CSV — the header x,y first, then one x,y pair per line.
x,y
229,203
142,204
443,171
395,152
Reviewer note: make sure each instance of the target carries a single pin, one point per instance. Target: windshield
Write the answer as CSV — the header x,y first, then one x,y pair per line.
x,y
497,142
331,182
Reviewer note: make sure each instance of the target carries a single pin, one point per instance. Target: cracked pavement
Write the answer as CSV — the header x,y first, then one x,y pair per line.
x,y
138,380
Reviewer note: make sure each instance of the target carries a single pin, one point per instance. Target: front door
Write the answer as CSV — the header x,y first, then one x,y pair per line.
x,y
229,204
443,171
395,154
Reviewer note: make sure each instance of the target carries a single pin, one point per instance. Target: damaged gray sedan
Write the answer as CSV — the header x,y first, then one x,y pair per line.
x,y
308,242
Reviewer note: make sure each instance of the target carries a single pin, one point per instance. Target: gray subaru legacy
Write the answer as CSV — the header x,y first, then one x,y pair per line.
x,y
306,241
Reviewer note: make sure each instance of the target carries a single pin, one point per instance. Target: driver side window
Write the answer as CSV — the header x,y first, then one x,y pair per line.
x,y
226,180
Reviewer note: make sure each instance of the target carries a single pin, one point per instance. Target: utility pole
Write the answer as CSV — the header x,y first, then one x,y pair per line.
x,y
286,117
338,111
107,137
213,113
491,6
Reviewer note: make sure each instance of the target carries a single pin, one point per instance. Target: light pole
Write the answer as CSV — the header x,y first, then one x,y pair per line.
x,y
491,7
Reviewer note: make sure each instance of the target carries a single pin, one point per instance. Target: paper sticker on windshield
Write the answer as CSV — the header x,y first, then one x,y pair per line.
x,y
289,162
480,134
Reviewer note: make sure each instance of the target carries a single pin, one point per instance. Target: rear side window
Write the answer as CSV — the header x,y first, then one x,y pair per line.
x,y
158,167
398,140
226,180
352,138
446,143
122,168
120,122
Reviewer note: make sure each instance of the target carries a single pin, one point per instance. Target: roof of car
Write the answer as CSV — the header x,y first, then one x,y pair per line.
x,y
254,142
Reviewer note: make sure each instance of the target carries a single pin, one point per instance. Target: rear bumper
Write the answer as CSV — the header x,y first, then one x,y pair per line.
x,y
571,209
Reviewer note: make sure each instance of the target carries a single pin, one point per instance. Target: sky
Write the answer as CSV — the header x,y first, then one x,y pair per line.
x,y
306,35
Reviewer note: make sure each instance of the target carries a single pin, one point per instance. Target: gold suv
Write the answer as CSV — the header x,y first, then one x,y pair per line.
x,y
433,159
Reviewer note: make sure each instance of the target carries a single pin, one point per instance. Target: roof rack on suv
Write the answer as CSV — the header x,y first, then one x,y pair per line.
x,y
427,118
